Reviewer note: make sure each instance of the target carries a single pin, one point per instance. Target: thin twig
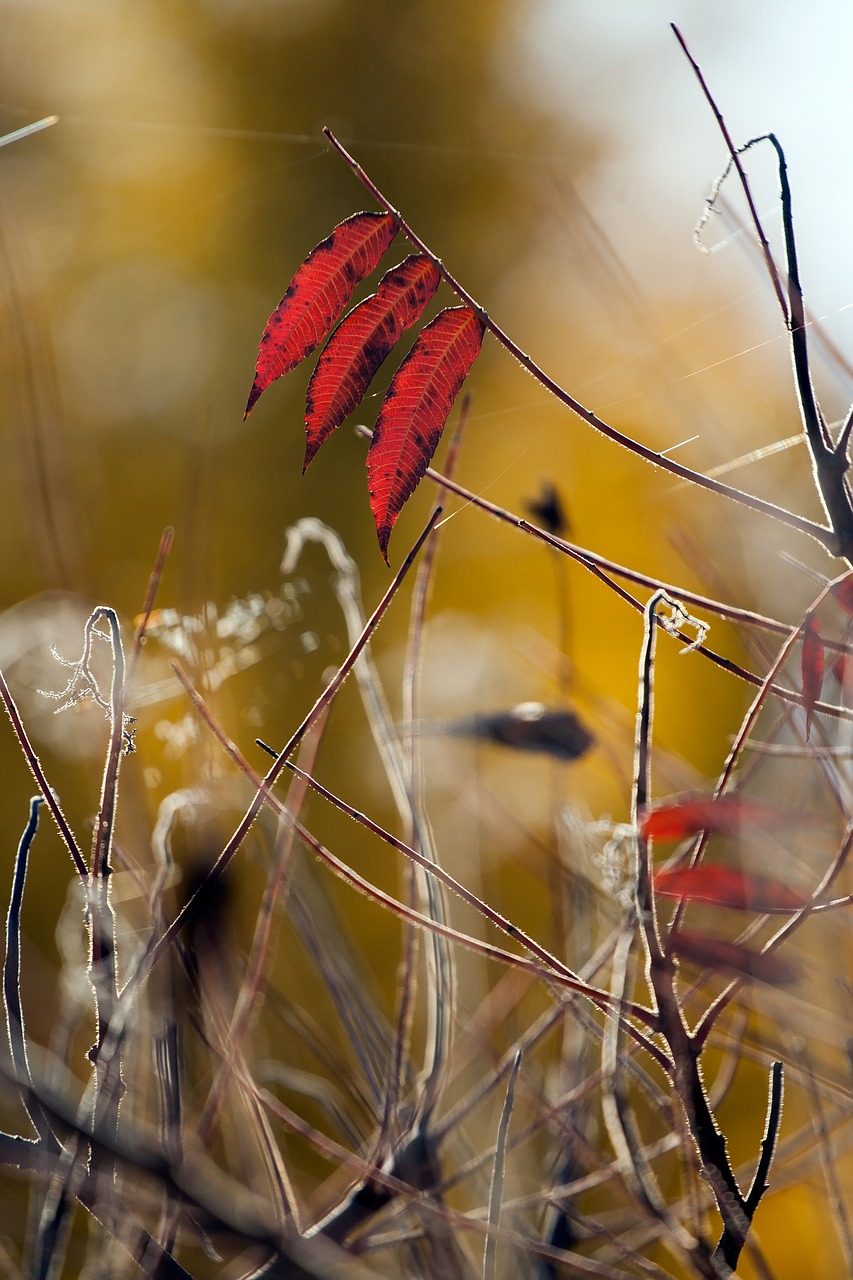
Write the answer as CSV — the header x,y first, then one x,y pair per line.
x,y
601,567
732,1241
102,960
554,968
38,773
150,595
823,535
12,976
661,974
746,726
324,700
251,987
734,155
839,862
829,463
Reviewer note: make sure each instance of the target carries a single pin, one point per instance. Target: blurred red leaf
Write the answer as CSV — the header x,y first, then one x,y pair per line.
x,y
415,410
726,813
841,668
731,957
727,887
318,293
813,663
359,345
843,593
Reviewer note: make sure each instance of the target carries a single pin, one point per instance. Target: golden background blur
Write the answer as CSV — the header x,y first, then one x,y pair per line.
x,y
144,240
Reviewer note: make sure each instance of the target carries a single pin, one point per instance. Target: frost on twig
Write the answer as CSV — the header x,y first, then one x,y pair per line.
x,y
678,619
82,684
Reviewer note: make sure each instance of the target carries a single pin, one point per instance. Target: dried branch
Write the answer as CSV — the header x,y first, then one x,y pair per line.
x,y
816,531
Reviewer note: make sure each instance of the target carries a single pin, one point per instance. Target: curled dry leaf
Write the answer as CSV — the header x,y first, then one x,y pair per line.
x,y
414,411
359,345
530,726
728,887
732,958
318,294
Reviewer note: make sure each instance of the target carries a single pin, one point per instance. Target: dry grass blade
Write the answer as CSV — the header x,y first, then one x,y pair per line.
x,y
496,1188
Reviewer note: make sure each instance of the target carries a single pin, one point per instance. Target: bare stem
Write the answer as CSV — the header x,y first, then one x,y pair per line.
x,y
734,155
38,773
262,794
823,535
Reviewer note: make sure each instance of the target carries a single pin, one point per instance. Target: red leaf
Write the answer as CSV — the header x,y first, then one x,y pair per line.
x,y
726,813
731,957
726,887
843,592
359,345
318,293
813,667
841,668
415,410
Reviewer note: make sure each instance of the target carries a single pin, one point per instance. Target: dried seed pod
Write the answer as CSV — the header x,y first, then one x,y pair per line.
x,y
529,726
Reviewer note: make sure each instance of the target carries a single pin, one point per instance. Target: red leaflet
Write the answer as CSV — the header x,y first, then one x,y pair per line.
x,y
726,813
726,887
415,410
318,293
359,345
843,593
813,667
841,668
731,957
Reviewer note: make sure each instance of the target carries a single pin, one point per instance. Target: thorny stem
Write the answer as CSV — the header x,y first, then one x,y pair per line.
x,y
821,534
735,1209
829,464
844,436
731,1242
